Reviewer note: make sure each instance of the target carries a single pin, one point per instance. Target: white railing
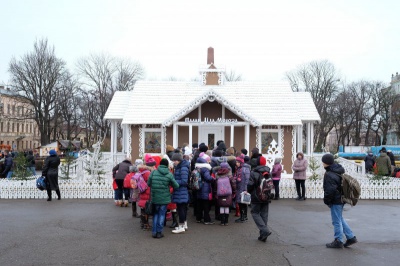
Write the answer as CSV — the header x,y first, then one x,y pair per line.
x,y
86,189
70,189
352,168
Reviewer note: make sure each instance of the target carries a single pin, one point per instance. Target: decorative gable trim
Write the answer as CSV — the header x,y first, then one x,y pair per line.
x,y
211,96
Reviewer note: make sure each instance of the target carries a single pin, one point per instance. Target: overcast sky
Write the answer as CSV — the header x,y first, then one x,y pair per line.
x,y
261,40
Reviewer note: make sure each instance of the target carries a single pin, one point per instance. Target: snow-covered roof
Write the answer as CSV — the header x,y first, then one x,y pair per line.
x,y
116,109
260,103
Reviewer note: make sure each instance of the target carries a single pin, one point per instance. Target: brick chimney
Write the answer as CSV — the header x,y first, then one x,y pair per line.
x,y
210,56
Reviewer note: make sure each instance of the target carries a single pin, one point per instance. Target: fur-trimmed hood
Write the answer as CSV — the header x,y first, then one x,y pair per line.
x,y
203,165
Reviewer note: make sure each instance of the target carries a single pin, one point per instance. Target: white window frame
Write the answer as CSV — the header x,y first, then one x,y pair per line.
x,y
146,130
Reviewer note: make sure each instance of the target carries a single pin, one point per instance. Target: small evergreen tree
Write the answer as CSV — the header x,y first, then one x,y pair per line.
x,y
20,171
314,166
66,166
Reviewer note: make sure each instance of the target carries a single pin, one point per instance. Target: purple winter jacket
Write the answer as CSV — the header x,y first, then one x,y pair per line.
x,y
276,171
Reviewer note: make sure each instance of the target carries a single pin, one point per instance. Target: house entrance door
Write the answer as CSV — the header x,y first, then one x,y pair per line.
x,y
210,135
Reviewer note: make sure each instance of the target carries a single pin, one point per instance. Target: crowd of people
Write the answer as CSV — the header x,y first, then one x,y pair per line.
x,y
384,164
204,178
8,164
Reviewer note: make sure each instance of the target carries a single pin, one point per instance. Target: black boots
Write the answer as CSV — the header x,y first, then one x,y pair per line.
x,y
174,220
241,219
58,194
224,218
335,244
48,195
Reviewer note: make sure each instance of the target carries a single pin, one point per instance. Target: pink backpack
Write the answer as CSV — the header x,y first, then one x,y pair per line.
x,y
141,183
224,187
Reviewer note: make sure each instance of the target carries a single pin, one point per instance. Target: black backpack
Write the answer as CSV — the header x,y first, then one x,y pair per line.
x,y
265,190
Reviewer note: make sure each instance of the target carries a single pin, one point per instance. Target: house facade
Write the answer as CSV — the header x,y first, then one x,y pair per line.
x,y
269,116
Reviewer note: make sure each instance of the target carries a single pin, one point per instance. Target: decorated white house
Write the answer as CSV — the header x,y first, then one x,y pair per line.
x,y
266,115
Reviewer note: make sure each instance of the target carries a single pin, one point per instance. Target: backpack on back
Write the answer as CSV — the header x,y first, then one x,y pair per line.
x,y
135,179
351,190
127,180
141,183
264,191
224,187
195,181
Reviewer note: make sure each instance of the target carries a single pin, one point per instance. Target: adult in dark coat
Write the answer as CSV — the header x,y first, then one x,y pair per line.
x,y
119,173
50,171
8,163
369,162
30,163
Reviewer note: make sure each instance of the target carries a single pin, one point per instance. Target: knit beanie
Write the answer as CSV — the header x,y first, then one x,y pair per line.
x,y
225,166
246,159
188,151
240,159
328,159
244,151
195,146
133,169
261,160
52,152
138,162
164,162
177,157
149,160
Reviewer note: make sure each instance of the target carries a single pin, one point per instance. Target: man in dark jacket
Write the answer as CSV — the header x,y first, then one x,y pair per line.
x,y
259,210
333,198
392,160
369,162
30,163
8,163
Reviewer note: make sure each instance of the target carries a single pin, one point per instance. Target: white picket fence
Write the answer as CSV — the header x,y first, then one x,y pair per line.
x,y
86,189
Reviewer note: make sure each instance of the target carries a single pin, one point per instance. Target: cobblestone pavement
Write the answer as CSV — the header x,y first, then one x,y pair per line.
x,y
95,232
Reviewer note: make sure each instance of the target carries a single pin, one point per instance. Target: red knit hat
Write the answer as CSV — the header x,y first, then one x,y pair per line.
x,y
261,160
240,158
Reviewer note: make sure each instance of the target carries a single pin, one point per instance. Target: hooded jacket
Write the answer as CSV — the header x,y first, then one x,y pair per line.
x,y
206,178
145,196
50,171
181,176
121,169
254,181
369,161
159,182
333,184
383,164
226,201
242,177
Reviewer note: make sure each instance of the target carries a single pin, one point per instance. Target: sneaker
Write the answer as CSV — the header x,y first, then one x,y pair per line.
x,y
185,226
350,242
159,235
240,220
298,198
335,244
209,223
179,230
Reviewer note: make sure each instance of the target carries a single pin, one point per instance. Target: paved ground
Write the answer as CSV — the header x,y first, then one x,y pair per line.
x,y
94,232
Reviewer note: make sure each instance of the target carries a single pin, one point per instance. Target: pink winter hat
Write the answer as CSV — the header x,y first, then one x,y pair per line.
x,y
149,160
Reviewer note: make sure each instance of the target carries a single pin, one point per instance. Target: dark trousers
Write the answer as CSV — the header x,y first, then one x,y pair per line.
x,y
260,216
243,209
57,191
121,190
302,184
216,211
276,185
203,210
181,208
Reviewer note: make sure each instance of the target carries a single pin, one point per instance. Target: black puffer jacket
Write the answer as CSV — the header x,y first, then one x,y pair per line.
x,y
333,184
254,181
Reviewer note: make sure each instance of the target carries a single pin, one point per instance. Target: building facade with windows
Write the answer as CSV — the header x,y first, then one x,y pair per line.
x,y
269,116
17,129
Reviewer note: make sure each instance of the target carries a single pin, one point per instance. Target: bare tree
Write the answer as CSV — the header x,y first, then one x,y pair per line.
x,y
232,76
321,80
102,75
36,77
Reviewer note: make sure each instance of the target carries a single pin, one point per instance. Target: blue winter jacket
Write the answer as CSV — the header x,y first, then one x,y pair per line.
x,y
181,176
206,178
243,173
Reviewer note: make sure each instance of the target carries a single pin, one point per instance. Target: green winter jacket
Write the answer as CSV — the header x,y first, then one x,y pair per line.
x,y
383,164
159,181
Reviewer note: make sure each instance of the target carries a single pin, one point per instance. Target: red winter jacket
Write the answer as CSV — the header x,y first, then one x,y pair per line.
x,y
145,196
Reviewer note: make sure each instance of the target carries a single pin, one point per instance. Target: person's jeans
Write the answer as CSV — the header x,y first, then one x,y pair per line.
x,y
9,174
260,216
31,169
276,185
340,226
158,218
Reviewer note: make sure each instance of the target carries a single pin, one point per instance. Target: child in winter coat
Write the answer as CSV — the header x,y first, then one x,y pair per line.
x,y
145,196
242,176
226,190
